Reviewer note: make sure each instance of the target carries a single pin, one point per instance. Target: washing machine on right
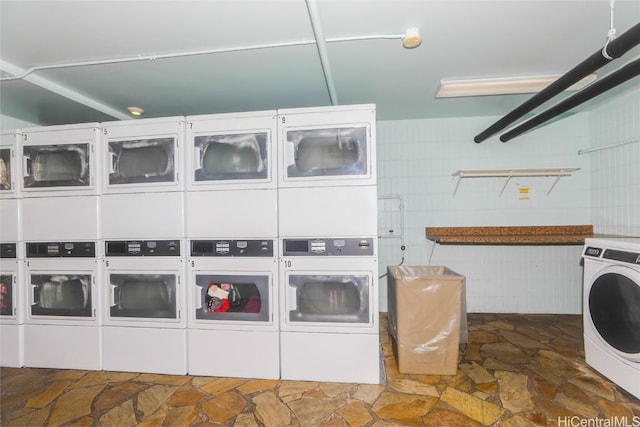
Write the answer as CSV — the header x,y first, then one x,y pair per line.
x,y
612,309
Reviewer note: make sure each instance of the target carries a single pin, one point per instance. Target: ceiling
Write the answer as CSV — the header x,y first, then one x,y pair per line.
x,y
247,55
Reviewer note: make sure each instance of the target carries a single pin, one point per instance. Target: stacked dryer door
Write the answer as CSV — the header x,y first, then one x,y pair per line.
x,y
143,230
144,324
59,187
11,285
232,229
612,310
327,222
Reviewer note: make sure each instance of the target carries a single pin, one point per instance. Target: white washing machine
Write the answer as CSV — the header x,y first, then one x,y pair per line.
x,y
327,146
62,305
233,308
231,151
60,160
11,306
612,310
144,306
329,310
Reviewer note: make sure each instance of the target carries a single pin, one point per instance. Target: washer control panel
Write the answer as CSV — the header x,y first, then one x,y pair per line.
x,y
142,248
8,250
61,249
232,248
628,257
349,246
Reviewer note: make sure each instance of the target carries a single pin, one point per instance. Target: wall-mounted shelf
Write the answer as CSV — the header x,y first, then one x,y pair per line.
x,y
510,173
511,235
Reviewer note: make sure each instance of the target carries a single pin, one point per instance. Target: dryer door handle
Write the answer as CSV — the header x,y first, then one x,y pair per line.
x,y
197,301
112,295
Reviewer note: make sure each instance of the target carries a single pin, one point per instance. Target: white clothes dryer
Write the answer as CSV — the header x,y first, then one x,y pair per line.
x,y
329,310
142,156
234,151
11,309
612,310
233,326
144,324
60,160
62,315
9,164
327,146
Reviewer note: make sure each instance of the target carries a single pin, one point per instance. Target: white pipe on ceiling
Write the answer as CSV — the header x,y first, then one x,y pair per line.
x,y
19,73
314,16
64,91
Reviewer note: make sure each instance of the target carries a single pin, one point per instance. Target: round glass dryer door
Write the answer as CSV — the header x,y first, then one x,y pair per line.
x,y
614,309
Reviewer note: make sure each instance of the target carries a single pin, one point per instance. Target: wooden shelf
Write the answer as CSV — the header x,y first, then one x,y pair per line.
x,y
519,235
510,173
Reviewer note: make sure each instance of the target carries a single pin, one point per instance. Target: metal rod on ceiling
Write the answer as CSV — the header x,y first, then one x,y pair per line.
x,y
614,49
314,16
612,80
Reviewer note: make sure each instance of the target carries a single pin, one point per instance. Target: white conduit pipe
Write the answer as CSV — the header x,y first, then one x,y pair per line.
x,y
65,92
312,7
24,73
606,147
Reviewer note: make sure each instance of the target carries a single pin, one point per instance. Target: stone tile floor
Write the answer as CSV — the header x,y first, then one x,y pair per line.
x,y
516,370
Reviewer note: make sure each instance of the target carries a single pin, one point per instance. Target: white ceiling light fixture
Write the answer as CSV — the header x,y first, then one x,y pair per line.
x,y
503,86
135,111
411,38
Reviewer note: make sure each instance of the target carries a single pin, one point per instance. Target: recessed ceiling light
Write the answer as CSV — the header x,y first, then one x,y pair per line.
x,y
135,111
411,38
503,85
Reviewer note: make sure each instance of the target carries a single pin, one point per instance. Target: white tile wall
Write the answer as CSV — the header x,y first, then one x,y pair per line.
x,y
416,159
615,180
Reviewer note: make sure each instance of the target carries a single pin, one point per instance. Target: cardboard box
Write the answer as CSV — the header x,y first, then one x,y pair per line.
x,y
427,318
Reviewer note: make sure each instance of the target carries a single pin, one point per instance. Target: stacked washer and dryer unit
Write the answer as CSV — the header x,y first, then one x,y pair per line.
x,y
611,309
232,233
60,230
239,245
327,201
11,281
143,231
